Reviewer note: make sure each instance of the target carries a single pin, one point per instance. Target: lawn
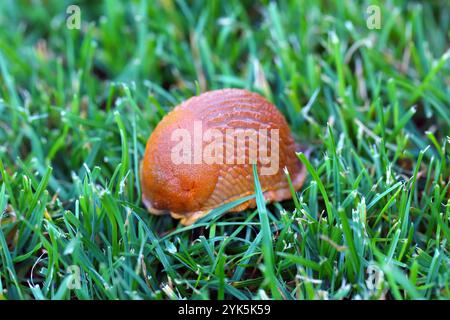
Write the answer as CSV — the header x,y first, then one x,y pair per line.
x,y
372,104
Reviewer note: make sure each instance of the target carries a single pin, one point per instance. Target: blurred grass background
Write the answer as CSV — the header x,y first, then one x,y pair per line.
x,y
77,106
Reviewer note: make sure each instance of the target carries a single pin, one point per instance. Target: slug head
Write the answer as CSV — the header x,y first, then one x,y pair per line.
x,y
171,186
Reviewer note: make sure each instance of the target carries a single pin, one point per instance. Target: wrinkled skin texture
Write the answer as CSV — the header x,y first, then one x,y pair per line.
x,y
190,191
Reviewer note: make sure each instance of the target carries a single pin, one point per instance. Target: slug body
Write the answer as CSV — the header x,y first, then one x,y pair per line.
x,y
191,166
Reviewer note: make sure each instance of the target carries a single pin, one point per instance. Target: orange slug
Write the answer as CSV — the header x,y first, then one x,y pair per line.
x,y
200,155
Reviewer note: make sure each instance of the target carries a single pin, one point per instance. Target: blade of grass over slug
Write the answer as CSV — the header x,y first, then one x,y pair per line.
x,y
267,249
219,211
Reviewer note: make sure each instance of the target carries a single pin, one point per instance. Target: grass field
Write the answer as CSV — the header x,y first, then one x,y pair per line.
x,y
77,107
